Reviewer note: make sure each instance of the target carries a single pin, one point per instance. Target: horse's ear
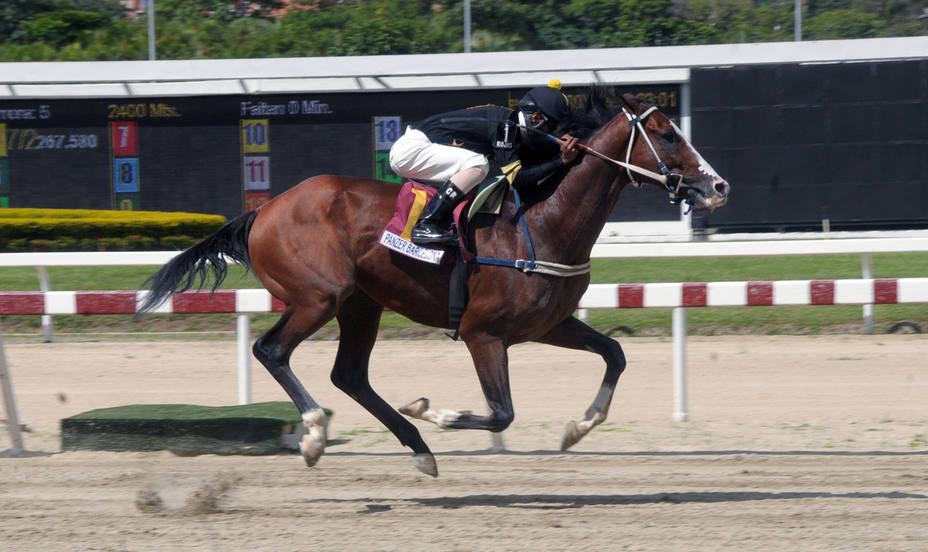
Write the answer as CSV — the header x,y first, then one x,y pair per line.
x,y
627,102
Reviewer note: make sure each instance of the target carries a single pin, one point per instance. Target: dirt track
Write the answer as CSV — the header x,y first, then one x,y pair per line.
x,y
807,443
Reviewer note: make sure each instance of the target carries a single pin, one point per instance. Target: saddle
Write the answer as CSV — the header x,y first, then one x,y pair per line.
x,y
414,195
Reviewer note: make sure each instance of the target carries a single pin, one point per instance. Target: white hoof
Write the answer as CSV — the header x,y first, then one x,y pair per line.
x,y
420,410
425,463
571,436
576,431
311,450
415,409
312,445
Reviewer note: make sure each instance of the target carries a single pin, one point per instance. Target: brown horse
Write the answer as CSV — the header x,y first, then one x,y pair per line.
x,y
315,248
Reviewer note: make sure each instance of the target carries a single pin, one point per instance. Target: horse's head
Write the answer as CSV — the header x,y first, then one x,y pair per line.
x,y
658,145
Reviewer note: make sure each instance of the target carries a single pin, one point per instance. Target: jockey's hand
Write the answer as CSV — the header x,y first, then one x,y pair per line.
x,y
569,149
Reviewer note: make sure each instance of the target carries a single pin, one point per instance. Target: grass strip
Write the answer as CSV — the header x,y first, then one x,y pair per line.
x,y
184,429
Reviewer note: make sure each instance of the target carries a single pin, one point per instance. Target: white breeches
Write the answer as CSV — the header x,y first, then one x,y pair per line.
x,y
415,156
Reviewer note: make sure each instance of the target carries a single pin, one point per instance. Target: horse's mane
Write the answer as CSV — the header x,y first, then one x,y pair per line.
x,y
599,107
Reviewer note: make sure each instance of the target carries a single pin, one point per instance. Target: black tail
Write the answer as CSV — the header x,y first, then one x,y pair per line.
x,y
194,264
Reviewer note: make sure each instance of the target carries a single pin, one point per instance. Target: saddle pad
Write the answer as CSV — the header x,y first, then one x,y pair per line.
x,y
396,236
489,198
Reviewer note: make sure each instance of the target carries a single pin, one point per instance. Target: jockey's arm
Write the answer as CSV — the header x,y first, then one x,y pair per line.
x,y
530,176
536,173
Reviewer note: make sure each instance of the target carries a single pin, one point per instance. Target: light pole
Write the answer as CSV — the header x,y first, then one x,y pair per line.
x,y
467,26
797,20
151,30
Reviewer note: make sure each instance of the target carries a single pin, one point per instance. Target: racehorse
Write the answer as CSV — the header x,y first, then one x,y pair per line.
x,y
315,248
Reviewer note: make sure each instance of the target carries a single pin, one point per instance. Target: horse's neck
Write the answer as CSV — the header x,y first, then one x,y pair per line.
x,y
588,193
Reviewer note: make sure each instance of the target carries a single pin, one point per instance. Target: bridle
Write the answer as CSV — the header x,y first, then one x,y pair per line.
x,y
672,181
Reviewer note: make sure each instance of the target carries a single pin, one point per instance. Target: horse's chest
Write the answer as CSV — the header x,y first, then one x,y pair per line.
x,y
548,300
568,292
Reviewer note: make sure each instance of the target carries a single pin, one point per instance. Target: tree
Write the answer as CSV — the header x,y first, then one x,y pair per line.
x,y
13,12
59,28
838,24
97,29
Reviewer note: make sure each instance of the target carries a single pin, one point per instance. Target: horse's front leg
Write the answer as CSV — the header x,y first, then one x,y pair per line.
x,y
492,363
574,334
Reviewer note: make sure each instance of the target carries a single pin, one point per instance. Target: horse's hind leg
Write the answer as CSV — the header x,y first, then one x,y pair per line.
x,y
574,334
492,363
273,349
359,320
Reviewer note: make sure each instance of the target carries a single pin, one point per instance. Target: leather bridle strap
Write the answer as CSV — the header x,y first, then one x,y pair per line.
x,y
671,181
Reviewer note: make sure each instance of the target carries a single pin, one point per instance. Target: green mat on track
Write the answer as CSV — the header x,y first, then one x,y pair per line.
x,y
184,429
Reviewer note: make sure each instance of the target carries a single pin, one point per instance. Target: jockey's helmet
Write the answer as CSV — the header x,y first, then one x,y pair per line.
x,y
547,101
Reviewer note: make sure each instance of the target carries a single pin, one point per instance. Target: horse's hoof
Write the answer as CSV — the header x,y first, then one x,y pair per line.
x,y
416,408
311,449
572,435
425,463
312,445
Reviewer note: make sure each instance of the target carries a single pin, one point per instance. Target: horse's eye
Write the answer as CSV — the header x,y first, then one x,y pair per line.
x,y
670,136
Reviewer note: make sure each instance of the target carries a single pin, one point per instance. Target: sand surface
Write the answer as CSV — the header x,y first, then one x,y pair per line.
x,y
804,443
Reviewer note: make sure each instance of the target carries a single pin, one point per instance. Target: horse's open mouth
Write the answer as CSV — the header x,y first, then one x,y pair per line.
x,y
701,202
705,196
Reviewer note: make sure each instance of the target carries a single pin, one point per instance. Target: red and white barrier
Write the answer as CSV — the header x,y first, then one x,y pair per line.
x,y
622,296
750,294
241,301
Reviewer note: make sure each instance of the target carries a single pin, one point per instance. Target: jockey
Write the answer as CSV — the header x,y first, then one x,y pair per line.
x,y
455,148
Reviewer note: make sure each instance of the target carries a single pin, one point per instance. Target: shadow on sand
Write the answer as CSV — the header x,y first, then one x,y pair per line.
x,y
573,501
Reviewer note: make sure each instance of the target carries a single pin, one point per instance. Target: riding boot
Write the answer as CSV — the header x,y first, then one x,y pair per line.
x,y
432,227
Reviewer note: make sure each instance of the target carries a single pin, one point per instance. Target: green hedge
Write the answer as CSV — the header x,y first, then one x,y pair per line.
x,y
93,230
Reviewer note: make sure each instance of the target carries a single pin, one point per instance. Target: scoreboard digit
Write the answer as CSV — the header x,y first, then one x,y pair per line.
x,y
125,138
126,175
257,172
255,135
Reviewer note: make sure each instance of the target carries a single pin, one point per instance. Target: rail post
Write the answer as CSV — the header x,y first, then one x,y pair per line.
x,y
680,413
243,336
866,263
12,419
48,326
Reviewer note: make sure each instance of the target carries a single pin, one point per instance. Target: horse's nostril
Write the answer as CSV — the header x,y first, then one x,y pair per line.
x,y
722,188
